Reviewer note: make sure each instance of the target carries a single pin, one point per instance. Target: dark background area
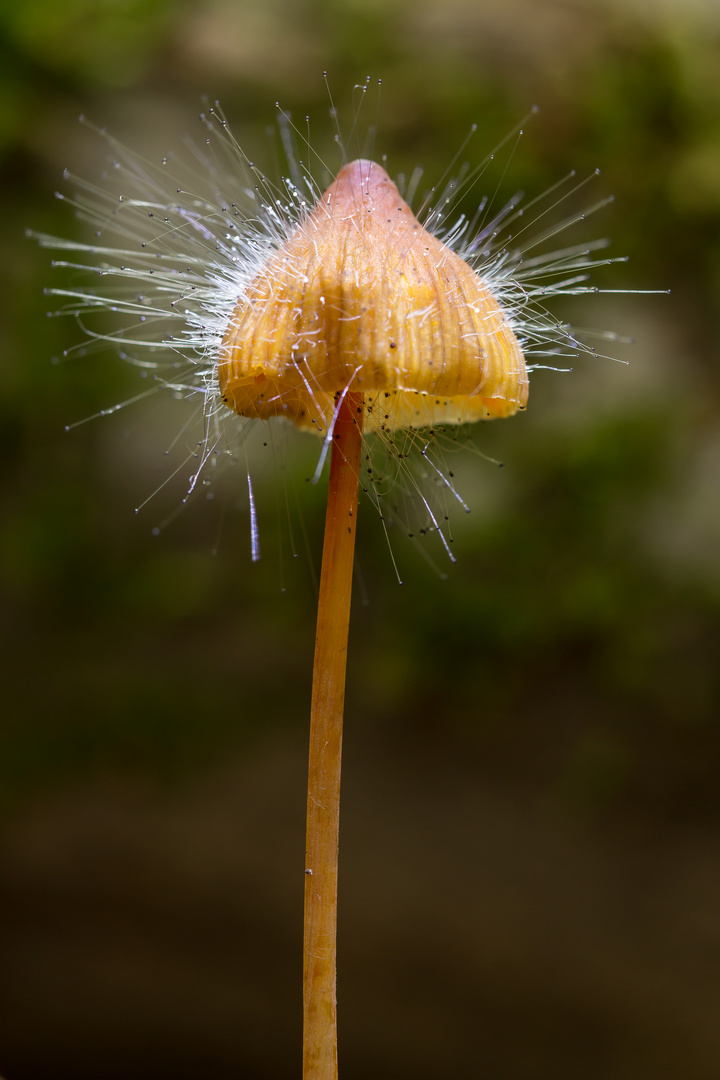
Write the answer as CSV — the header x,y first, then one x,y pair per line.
x,y
530,885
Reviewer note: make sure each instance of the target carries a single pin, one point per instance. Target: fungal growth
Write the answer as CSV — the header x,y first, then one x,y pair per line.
x,y
361,319
361,298
350,319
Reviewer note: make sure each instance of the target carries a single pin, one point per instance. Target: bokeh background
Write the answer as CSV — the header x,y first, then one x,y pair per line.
x,y
530,883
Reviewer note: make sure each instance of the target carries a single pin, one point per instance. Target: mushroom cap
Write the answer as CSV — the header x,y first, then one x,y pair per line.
x,y
362,297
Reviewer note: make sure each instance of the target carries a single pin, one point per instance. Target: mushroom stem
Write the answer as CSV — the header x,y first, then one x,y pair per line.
x,y
328,694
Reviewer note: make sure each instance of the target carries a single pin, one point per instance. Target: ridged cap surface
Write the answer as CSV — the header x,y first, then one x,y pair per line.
x,y
361,296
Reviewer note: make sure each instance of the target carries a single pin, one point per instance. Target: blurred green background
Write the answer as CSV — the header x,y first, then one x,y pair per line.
x,y
530,885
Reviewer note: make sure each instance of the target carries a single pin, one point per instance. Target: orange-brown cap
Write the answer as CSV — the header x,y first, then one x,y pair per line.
x,y
361,297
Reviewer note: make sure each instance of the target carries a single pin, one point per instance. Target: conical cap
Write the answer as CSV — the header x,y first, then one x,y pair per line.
x,y
362,297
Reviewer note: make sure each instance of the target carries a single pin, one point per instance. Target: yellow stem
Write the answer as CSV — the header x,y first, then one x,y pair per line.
x,y
328,695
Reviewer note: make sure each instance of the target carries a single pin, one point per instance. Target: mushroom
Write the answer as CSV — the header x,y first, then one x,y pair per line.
x,y
361,306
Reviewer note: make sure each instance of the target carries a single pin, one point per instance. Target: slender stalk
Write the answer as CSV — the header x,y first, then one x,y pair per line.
x,y
328,695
